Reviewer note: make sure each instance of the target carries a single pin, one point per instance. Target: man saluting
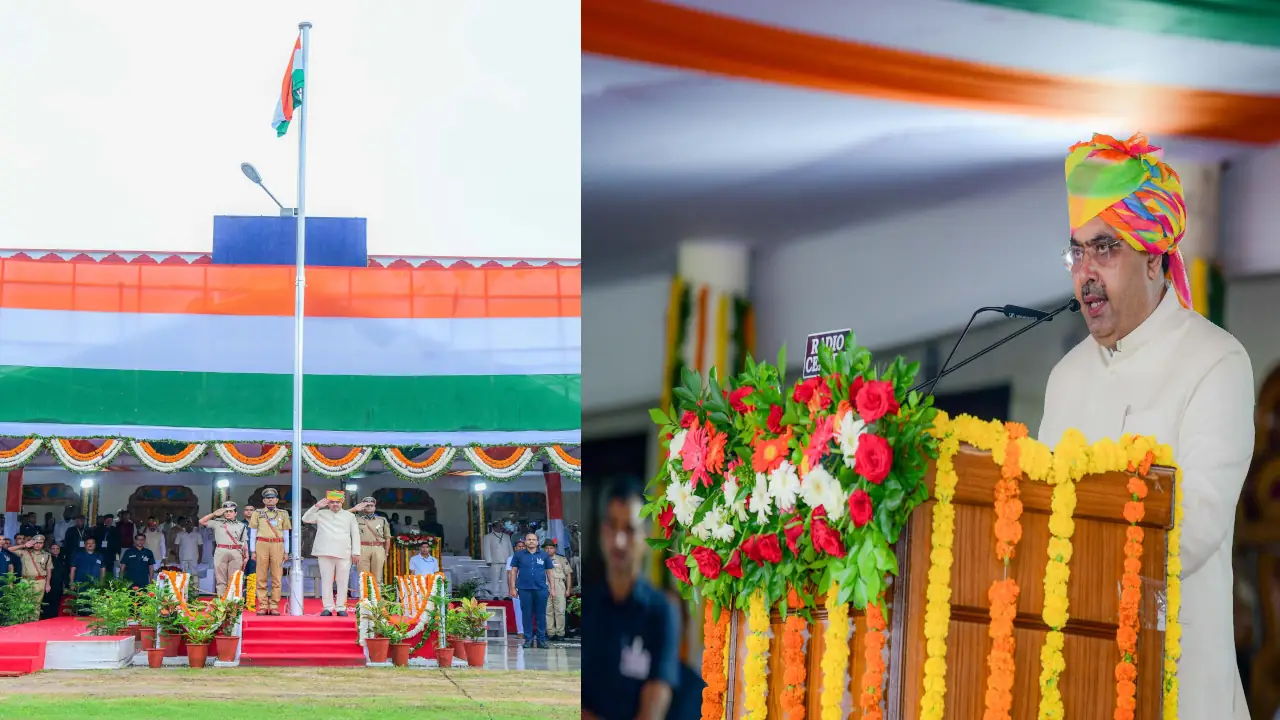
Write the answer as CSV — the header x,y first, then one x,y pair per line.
x,y
1154,367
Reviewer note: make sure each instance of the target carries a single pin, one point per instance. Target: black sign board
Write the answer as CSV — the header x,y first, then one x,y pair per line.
x,y
833,339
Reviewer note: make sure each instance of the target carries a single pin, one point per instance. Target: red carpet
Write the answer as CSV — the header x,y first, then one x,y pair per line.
x,y
310,640
22,646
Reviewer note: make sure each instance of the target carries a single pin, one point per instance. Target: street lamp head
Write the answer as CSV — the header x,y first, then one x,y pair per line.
x,y
251,172
481,487
224,483
86,483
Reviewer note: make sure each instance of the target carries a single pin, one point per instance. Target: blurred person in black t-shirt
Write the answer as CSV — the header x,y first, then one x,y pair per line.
x,y
631,632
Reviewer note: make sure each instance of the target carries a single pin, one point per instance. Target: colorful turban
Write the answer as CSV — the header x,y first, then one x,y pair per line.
x,y
1140,197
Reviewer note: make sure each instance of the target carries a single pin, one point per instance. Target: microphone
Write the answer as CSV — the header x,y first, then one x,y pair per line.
x,y
1039,316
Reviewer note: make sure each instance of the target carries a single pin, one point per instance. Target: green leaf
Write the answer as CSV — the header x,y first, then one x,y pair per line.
x,y
719,418
686,395
657,417
782,362
893,497
860,593
867,559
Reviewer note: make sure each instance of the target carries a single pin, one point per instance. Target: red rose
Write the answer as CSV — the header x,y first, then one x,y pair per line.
x,y
734,566
860,509
774,423
708,561
679,566
737,396
874,458
668,520
804,391
769,548
794,530
751,548
689,419
825,539
875,400
855,387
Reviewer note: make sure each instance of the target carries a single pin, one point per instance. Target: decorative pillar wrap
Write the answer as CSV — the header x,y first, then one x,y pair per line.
x,y
1202,191
13,502
555,513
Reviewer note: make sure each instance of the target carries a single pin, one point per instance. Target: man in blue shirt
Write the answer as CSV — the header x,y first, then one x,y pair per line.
x,y
86,564
424,563
631,662
530,579
137,564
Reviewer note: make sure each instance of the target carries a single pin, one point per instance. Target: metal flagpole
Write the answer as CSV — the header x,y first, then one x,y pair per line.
x,y
296,583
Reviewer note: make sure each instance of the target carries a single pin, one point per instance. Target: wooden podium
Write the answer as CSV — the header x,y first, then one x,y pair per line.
x,y
1088,683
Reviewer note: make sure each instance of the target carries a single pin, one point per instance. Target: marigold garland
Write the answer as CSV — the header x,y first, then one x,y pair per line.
x,y
937,611
251,593
793,673
835,655
756,665
1131,593
1173,599
1070,461
1003,594
714,631
873,676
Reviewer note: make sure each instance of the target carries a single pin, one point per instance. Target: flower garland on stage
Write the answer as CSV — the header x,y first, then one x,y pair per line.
x,y
416,593
756,665
835,656
1062,468
1003,593
70,453
251,593
715,628
1131,596
793,672
873,676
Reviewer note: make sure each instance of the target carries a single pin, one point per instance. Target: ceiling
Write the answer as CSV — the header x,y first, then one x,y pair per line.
x,y
670,153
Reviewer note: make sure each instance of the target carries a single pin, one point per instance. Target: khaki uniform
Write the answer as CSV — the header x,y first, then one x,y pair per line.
x,y
373,545
558,596
231,543
36,567
271,526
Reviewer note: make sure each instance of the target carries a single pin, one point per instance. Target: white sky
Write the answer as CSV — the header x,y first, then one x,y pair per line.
x,y
452,125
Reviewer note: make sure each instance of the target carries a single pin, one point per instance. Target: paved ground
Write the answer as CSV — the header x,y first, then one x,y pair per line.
x,y
285,693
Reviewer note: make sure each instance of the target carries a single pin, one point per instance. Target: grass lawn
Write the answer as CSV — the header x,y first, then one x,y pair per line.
x,y
289,693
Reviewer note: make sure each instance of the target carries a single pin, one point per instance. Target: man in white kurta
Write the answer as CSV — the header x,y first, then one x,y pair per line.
x,y
495,548
336,548
1153,367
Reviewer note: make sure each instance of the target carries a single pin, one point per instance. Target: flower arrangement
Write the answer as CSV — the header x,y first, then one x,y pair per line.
x,y
416,540
778,487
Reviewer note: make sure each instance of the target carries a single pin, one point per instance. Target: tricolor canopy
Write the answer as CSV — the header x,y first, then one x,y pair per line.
x,y
393,356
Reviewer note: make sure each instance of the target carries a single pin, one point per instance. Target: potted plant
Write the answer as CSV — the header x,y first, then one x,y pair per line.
x,y
171,626
575,615
200,627
149,618
18,600
455,628
475,617
225,641
378,644
391,624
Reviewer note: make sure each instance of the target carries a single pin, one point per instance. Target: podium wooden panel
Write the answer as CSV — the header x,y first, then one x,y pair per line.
x,y
1088,683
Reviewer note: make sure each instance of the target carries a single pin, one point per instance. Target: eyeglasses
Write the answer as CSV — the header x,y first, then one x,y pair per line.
x,y
1100,252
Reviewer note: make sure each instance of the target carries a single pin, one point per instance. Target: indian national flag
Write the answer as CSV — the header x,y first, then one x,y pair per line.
x,y
290,91
394,356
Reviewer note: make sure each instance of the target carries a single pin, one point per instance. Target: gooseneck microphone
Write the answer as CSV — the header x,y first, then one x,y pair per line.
x,y
1012,311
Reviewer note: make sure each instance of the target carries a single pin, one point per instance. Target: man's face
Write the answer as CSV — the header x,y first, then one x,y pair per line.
x,y
1117,286
248,510
424,550
270,502
19,539
39,545
621,536
335,505
151,523
79,522
519,545
531,542
139,541
4,543
90,544
108,521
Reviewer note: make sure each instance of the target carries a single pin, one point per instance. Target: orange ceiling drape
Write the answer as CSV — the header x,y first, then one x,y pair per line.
x,y
663,34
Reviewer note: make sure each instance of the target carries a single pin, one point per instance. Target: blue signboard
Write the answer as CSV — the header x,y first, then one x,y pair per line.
x,y
272,240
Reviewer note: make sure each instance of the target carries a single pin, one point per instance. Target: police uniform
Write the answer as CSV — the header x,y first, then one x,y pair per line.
x,y
374,534
36,567
230,538
272,527
559,594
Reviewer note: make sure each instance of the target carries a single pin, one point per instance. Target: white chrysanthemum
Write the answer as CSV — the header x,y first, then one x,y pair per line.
x,y
822,488
736,506
677,444
713,525
759,503
848,432
784,486
682,499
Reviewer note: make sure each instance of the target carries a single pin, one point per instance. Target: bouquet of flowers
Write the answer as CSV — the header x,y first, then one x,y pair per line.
x,y
789,488
416,540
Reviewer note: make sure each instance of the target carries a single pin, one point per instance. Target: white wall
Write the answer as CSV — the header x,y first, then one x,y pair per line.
x,y
450,494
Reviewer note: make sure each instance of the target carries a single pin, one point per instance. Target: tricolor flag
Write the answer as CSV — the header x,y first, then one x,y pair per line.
x,y
290,91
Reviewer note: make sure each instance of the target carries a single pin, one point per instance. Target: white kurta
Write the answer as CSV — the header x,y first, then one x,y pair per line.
x,y
1189,383
495,547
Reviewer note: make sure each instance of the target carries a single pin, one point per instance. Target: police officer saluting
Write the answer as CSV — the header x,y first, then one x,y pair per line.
x,y
271,550
375,538
230,537
36,564
530,578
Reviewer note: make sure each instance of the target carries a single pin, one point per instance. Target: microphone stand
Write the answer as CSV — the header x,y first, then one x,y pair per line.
x,y
1072,305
